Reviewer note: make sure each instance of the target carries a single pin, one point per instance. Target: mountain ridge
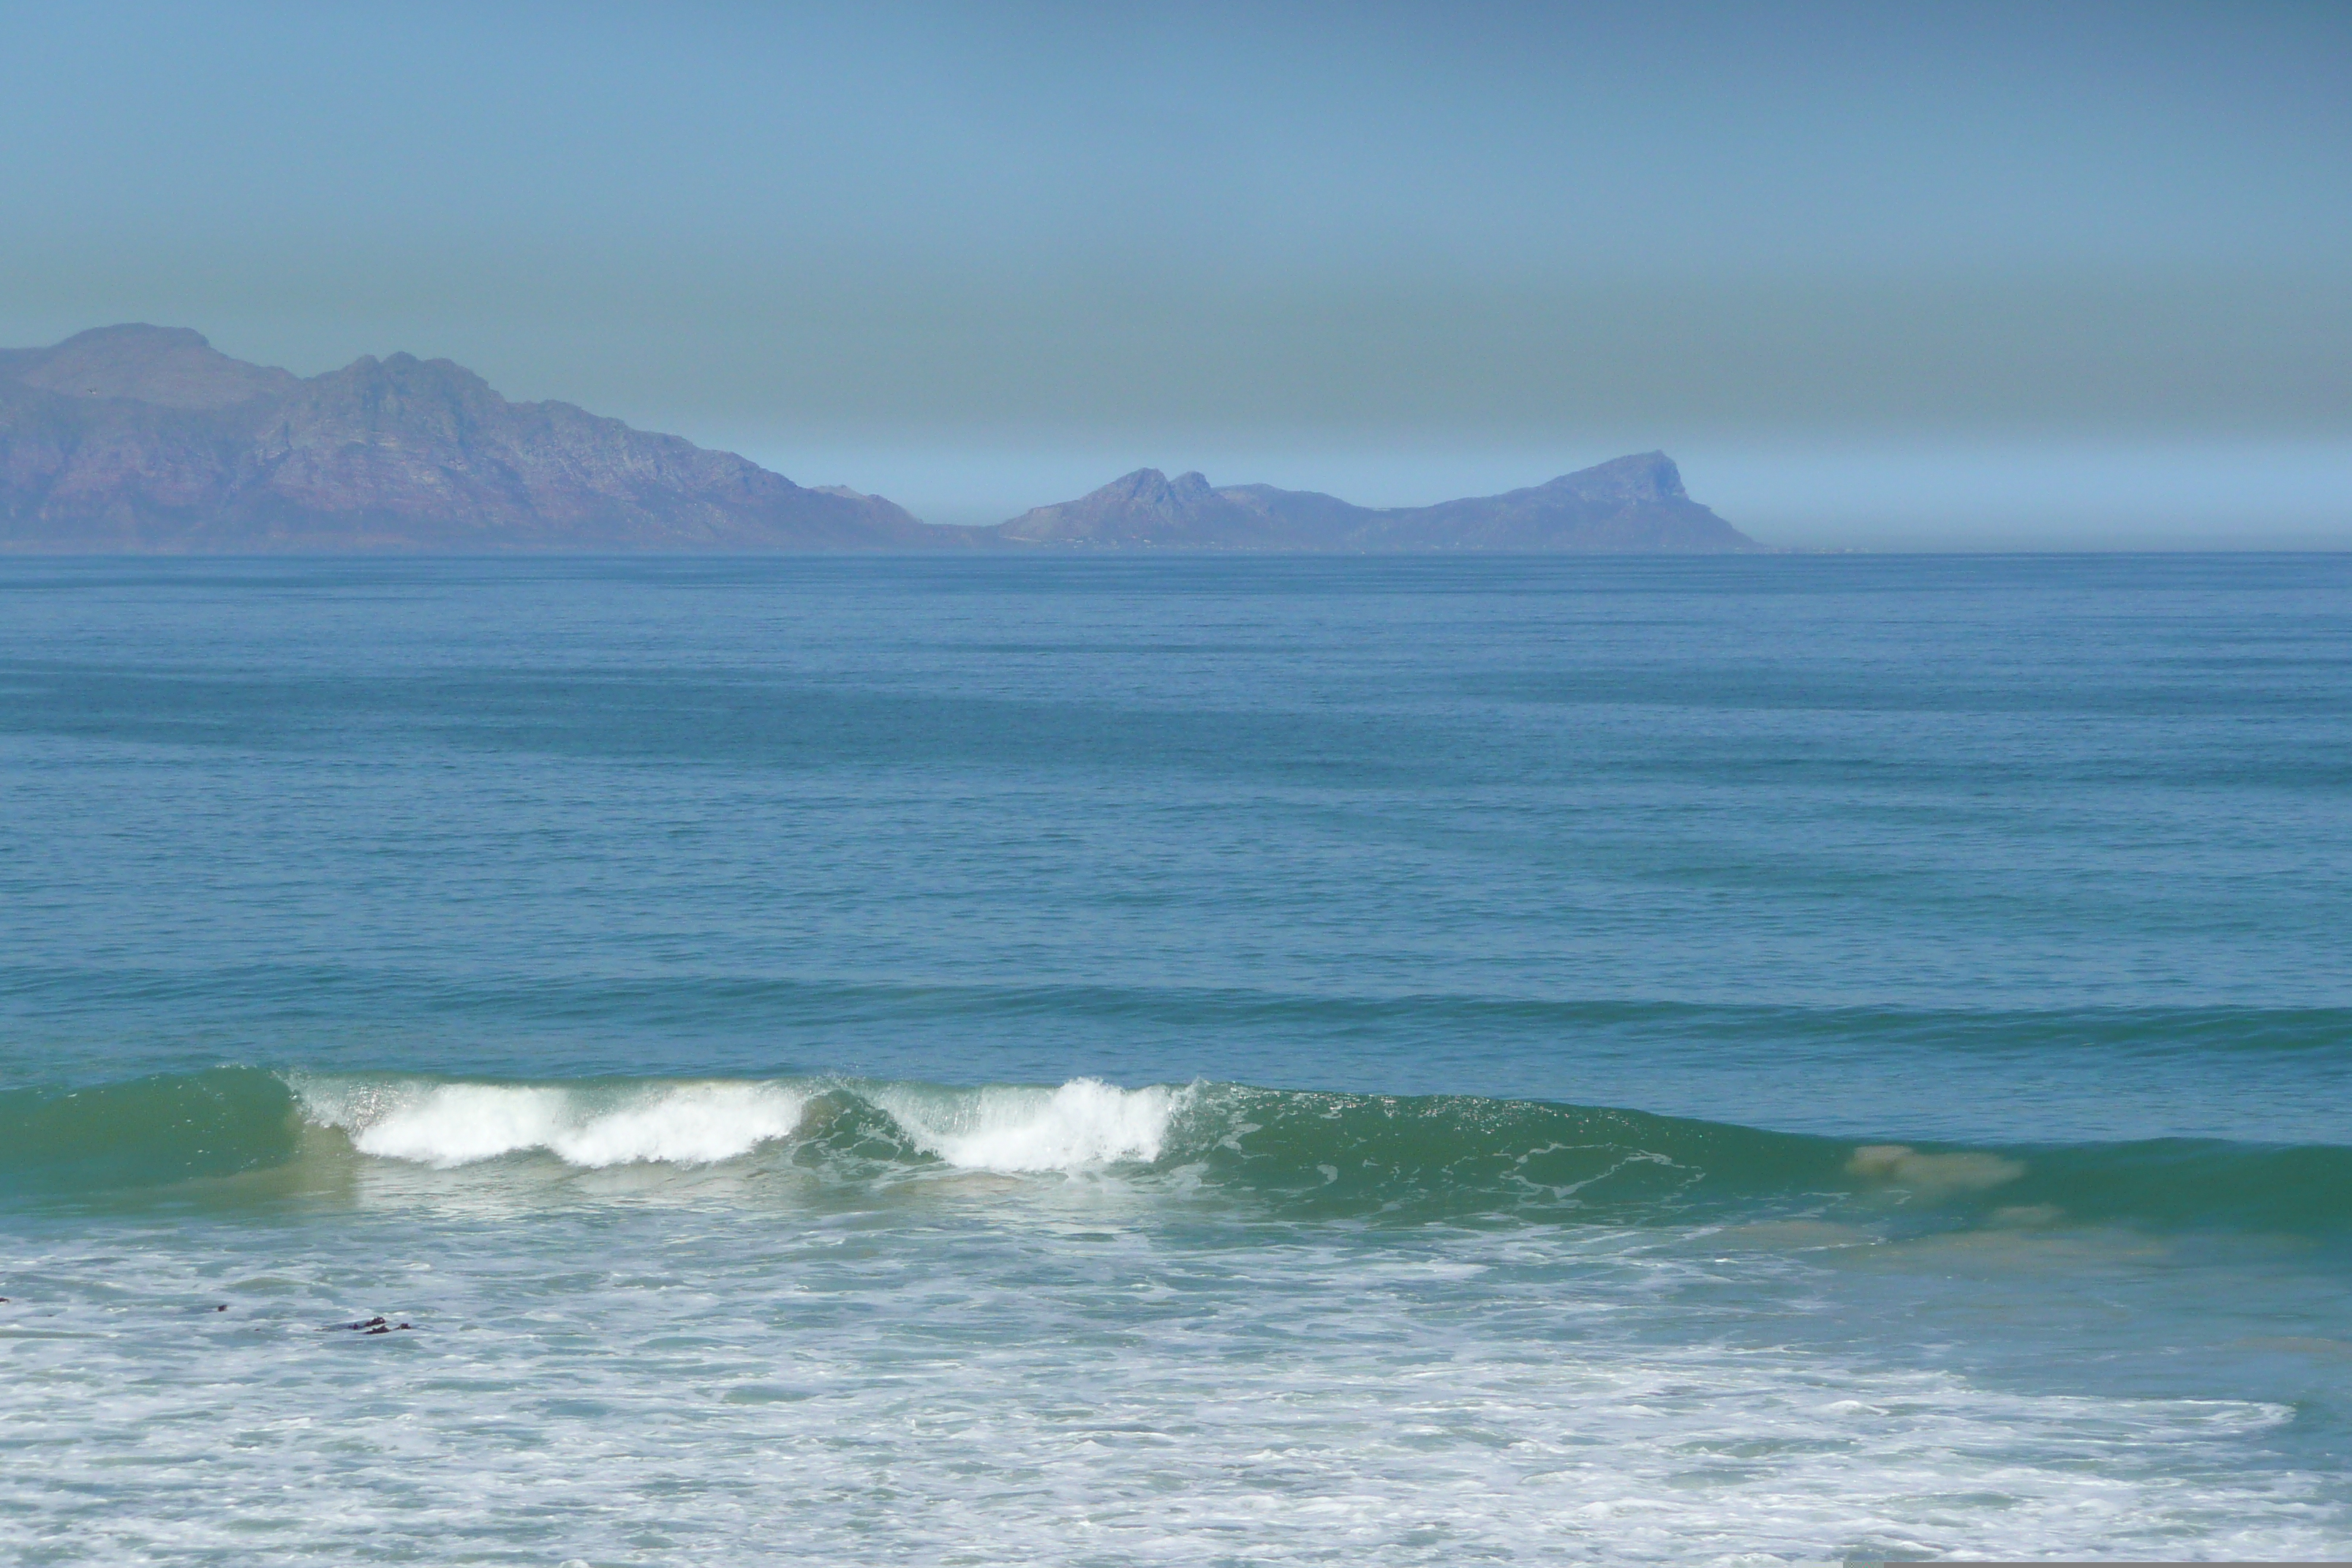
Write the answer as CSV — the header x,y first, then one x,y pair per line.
x,y
1631,504
146,438
138,439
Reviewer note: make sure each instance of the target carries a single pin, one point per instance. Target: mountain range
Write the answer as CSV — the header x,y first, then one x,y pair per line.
x,y
140,438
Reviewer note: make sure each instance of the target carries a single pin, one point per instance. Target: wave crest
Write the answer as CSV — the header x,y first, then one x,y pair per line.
x,y
450,1124
1085,1123
1081,1124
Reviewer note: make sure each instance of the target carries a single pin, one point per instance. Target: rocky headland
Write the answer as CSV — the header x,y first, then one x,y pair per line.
x,y
1629,505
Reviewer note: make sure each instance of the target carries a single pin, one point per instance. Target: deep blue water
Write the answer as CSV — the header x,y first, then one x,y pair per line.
x,y
654,977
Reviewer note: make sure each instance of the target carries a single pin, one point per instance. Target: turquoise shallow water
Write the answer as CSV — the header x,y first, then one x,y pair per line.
x,y
1176,1060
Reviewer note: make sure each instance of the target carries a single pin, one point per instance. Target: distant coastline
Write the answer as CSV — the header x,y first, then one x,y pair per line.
x,y
144,439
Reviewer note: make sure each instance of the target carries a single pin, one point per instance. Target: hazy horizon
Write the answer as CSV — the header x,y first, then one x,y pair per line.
x,y
1978,277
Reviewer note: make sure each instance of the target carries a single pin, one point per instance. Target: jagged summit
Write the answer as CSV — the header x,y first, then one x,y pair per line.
x,y
1631,504
142,438
1145,507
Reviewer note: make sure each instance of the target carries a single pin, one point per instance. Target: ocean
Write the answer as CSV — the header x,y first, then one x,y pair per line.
x,y
1127,1060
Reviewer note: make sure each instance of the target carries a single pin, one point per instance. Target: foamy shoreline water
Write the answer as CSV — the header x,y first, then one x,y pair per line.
x,y
1059,1369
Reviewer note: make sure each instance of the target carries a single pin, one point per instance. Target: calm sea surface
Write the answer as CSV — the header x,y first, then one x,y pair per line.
x,y
1175,1060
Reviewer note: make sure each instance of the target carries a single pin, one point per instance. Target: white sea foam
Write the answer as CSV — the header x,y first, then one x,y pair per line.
x,y
1392,1399
1082,1124
454,1124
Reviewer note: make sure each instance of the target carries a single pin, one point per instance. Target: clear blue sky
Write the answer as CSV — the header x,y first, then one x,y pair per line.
x,y
1876,273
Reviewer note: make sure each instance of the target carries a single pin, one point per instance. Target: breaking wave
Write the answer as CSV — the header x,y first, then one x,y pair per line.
x,y
1299,1153
452,1124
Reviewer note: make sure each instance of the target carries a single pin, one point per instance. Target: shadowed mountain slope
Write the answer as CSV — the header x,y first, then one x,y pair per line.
x,y
1630,505
147,438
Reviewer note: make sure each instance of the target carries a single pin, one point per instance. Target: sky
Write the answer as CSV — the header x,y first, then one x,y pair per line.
x,y
1909,276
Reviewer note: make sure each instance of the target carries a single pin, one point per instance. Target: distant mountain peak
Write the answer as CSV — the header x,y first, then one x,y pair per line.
x,y
1641,476
1141,482
1144,508
145,333
172,367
